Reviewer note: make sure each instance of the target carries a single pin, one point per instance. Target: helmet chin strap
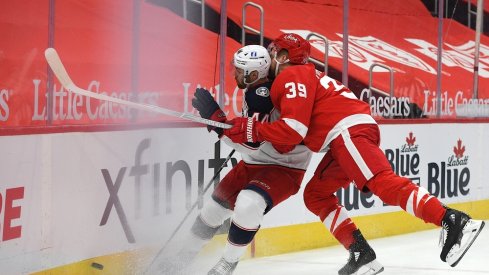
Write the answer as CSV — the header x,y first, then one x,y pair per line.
x,y
278,63
248,83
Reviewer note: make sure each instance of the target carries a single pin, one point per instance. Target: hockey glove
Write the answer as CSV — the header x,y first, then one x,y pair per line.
x,y
244,130
208,108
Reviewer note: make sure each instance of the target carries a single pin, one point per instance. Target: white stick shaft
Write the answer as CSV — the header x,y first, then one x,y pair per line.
x,y
59,70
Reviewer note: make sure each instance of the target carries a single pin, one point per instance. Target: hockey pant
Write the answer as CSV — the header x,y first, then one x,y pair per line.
x,y
250,191
355,156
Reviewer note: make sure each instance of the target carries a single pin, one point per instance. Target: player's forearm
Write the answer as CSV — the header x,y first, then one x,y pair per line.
x,y
279,132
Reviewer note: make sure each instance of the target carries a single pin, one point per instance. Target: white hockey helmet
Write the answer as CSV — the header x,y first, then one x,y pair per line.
x,y
253,58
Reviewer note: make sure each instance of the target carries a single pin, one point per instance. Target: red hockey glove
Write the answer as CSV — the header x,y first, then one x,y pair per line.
x,y
218,116
282,149
244,130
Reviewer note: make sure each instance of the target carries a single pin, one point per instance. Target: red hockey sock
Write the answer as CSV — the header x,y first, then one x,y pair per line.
x,y
433,211
340,225
399,191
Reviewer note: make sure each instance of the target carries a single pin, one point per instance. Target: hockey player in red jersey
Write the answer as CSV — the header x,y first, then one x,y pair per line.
x,y
327,117
338,222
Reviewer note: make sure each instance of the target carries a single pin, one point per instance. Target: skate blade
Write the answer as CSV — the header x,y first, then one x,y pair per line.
x,y
472,228
374,267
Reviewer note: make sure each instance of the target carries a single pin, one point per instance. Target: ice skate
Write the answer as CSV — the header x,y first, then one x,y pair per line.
x,y
457,235
223,267
362,260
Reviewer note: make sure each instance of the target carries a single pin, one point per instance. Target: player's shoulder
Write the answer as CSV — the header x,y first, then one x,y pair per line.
x,y
262,89
258,93
296,71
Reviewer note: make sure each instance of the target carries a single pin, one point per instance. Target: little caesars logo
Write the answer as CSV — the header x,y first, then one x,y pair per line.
x,y
447,179
405,160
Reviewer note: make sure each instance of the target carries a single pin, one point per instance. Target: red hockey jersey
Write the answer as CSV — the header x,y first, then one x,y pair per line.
x,y
314,109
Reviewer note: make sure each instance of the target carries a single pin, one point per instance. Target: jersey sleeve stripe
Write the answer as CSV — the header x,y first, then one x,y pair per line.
x,y
297,126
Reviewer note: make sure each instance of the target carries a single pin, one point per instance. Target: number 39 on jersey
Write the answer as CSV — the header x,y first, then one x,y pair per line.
x,y
295,90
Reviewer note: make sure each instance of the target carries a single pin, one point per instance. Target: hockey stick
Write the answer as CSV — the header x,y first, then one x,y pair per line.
x,y
59,70
189,211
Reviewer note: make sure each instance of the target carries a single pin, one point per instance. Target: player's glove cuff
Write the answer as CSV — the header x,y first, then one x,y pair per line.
x,y
244,130
218,116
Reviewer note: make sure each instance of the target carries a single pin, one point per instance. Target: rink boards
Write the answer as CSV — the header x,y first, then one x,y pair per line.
x,y
70,199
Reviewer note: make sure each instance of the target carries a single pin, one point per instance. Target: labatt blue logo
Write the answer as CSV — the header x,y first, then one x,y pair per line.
x,y
405,159
450,178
